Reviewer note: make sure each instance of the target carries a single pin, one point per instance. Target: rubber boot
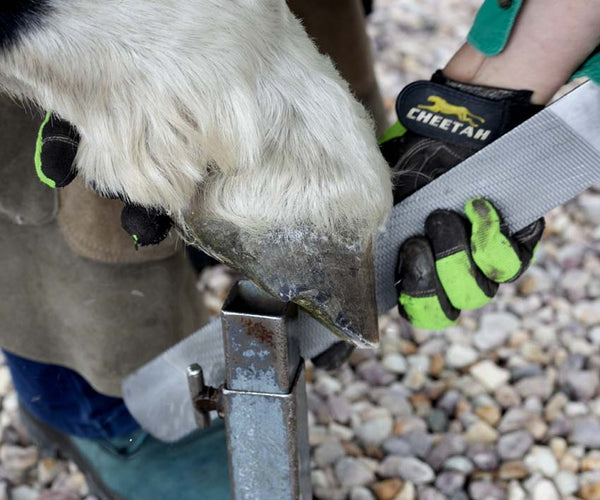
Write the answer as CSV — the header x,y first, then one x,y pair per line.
x,y
138,467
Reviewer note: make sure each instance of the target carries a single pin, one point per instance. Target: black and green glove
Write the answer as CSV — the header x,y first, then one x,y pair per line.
x,y
460,261
55,155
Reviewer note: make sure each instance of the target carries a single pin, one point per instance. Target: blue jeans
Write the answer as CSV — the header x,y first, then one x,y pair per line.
x,y
65,401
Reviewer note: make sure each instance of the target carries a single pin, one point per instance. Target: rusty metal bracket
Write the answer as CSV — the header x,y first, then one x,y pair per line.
x,y
205,399
263,400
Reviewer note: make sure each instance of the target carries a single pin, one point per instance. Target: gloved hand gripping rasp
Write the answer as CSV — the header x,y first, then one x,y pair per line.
x,y
55,156
459,264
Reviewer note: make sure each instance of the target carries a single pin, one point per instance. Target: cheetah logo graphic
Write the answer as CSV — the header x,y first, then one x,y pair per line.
x,y
440,105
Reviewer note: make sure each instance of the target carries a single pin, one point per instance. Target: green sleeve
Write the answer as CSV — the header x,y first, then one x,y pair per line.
x,y
493,25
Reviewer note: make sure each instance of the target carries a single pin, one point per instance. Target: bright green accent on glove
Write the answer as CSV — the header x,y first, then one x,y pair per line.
x,y
425,312
492,251
456,276
492,26
396,130
135,238
38,154
590,68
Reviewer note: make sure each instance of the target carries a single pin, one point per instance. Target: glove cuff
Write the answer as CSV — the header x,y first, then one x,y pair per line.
x,y
461,113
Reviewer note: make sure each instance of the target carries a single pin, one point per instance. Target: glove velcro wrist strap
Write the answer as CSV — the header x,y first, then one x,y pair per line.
x,y
441,112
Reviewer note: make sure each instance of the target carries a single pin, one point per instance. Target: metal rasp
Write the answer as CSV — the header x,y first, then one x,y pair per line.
x,y
539,165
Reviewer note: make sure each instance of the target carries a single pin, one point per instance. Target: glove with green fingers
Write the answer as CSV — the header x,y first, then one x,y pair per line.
x,y
461,260
55,156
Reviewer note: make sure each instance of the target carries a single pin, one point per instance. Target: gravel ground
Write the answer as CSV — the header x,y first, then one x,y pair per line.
x,y
505,405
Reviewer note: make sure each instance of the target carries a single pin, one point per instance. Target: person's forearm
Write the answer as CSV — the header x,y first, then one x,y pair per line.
x,y
550,40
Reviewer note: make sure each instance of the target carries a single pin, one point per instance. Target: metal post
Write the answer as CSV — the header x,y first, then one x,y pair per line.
x,y
264,398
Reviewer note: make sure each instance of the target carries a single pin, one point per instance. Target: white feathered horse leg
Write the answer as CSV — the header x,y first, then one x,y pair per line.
x,y
224,114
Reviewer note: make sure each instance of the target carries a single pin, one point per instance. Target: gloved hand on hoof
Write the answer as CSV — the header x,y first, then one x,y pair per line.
x,y
462,258
55,155
231,123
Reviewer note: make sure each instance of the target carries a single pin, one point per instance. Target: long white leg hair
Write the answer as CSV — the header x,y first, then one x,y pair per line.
x,y
225,102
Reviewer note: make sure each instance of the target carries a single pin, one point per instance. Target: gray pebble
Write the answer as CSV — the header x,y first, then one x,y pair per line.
x,y
331,493
438,421
590,204
395,363
340,409
483,456
372,372
538,386
449,445
521,372
407,468
483,490
328,453
483,400
514,445
594,335
541,459
459,356
326,384
545,490
507,396
353,472
361,493
586,432
319,479
448,401
590,477
356,390
375,430
24,492
436,345
10,435
559,427
533,405
397,446
459,464
494,330
594,362
426,493
389,467
581,385
419,362
576,409
413,424
415,379
18,458
566,482
535,280
573,362
449,482
588,312
459,495
396,404
514,419
420,442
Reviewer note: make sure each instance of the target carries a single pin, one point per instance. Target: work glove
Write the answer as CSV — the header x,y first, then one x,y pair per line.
x,y
462,258
55,156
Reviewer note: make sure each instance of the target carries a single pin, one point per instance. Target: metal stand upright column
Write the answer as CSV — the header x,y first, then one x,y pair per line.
x,y
264,398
